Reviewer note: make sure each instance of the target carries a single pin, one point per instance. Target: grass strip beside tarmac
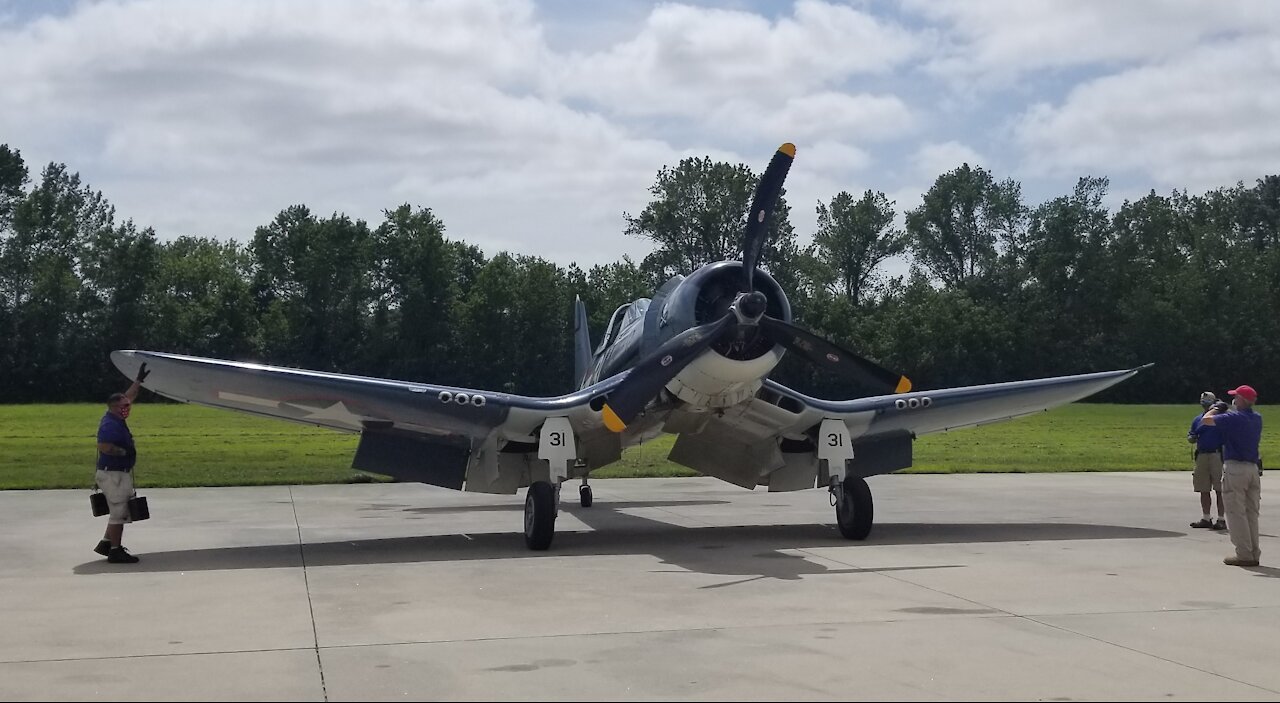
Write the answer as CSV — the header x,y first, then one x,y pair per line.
x,y
52,446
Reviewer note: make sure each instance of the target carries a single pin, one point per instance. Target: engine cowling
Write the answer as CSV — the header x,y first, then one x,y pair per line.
x,y
741,361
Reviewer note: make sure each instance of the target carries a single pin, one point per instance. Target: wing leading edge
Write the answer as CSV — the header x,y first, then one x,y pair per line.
x,y
405,425
923,412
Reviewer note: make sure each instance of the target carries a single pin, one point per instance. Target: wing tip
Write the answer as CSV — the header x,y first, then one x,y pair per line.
x,y
789,149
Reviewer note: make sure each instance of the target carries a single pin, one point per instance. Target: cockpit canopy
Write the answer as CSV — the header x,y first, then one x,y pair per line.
x,y
624,318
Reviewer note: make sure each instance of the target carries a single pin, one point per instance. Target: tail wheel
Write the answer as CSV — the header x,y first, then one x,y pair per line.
x,y
855,511
584,496
539,515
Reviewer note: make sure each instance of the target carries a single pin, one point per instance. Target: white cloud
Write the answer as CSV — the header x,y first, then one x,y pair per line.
x,y
932,160
209,118
999,40
825,115
689,60
1203,119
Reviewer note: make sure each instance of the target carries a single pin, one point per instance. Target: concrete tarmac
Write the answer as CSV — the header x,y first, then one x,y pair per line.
x,y
994,587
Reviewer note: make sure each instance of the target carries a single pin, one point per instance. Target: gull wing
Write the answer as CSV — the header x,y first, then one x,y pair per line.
x,y
409,427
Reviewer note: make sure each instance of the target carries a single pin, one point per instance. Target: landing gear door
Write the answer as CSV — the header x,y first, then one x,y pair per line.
x,y
557,447
834,447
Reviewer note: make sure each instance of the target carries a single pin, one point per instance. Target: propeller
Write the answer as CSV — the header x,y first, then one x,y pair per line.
x,y
830,357
646,379
649,376
767,193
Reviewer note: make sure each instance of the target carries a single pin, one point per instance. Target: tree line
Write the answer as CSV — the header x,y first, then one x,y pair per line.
x,y
997,289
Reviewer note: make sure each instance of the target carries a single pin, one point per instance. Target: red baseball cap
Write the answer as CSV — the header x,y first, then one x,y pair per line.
x,y
1245,392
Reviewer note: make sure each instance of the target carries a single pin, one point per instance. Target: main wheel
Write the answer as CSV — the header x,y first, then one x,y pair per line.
x,y
854,509
539,515
584,495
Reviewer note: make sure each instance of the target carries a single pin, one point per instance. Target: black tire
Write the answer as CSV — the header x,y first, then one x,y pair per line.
x,y
539,515
584,496
855,511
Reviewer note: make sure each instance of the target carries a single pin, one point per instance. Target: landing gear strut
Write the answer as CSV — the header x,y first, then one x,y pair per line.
x,y
854,509
540,515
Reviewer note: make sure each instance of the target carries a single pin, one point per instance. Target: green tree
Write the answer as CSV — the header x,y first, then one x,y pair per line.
x,y
200,302
853,239
1062,295
956,232
515,327
417,285
698,216
56,353
312,283
13,182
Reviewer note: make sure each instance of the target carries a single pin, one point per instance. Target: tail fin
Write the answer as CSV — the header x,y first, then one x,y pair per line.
x,y
581,342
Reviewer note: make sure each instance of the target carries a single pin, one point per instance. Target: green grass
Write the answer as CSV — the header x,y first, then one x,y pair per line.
x,y
52,446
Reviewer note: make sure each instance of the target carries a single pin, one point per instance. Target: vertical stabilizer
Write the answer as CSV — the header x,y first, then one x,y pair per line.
x,y
581,342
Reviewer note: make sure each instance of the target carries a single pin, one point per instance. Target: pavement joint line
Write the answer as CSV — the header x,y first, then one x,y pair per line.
x,y
306,582
505,638
716,628
997,614
1151,655
1033,619
155,655
901,579
906,580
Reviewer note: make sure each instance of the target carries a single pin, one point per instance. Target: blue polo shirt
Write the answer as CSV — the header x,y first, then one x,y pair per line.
x,y
1208,437
115,431
1241,434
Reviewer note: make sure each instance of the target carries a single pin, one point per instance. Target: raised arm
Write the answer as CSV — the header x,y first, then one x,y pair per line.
x,y
132,393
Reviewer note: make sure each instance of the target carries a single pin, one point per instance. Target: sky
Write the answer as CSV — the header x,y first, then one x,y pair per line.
x,y
532,127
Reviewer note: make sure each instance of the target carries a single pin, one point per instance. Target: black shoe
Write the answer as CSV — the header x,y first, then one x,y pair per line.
x,y
1202,523
1220,525
120,555
103,548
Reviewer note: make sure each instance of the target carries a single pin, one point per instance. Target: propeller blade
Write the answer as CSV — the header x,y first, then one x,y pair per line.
x,y
761,207
649,376
828,356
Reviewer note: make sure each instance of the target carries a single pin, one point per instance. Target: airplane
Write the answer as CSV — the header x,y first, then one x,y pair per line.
x,y
692,361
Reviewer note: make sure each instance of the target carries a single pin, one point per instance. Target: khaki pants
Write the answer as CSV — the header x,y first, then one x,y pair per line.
x,y
117,486
1242,494
1208,473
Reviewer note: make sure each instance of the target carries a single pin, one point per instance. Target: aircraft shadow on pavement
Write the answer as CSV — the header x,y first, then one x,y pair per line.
x,y
752,551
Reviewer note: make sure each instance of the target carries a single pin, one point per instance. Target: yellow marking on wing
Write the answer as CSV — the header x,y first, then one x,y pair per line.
x,y
904,385
611,419
789,149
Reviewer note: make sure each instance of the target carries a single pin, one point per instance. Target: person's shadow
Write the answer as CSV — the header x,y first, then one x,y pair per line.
x,y
1264,571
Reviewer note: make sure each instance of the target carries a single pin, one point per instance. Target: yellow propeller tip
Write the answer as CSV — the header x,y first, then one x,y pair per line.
x,y
904,385
612,421
789,149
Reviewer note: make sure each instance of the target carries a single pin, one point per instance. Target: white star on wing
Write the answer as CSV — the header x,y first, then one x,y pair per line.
x,y
336,413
